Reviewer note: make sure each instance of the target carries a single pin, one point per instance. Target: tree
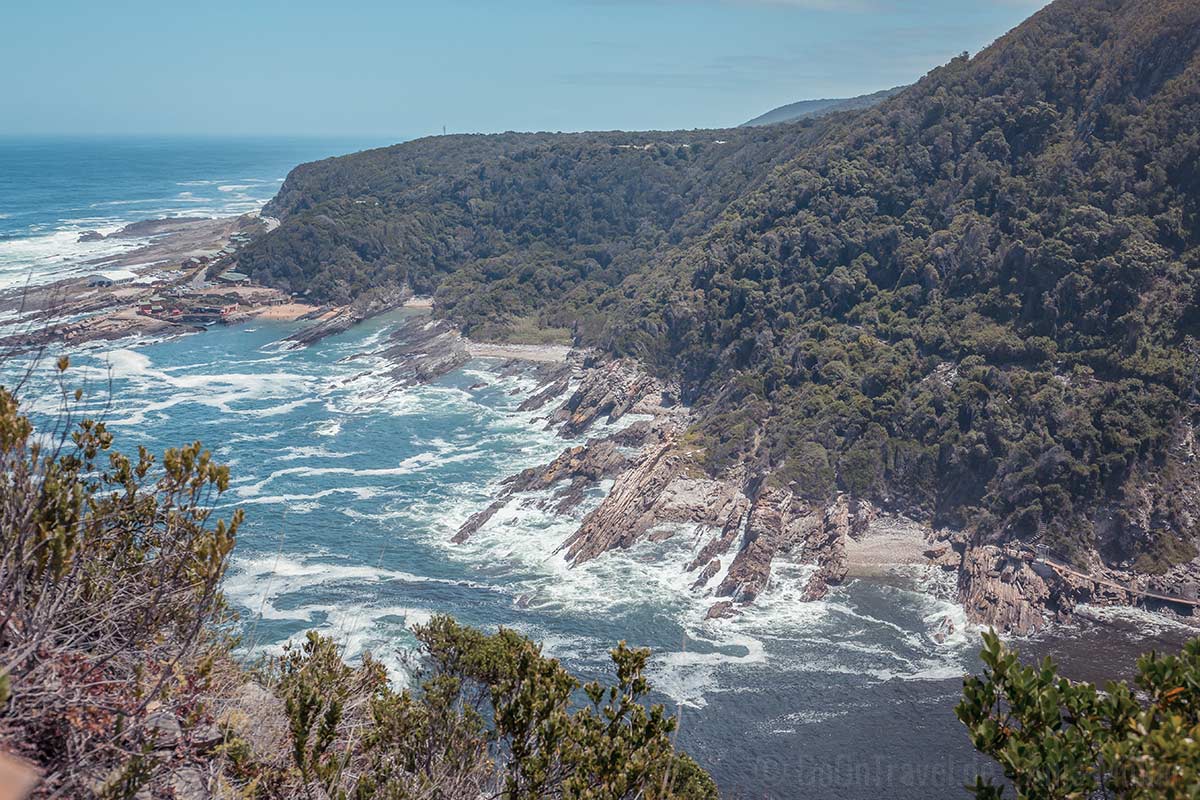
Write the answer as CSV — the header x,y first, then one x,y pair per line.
x,y
1059,739
492,717
110,603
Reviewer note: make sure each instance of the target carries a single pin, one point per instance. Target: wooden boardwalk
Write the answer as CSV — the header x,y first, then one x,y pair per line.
x,y
1043,557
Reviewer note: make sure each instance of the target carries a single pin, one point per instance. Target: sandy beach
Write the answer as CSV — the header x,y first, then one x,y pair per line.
x,y
890,542
286,311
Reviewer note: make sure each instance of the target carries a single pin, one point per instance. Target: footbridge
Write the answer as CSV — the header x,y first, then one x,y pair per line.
x,y
1184,601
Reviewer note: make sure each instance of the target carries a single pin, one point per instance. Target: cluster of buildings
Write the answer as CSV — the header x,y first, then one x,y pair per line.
x,y
197,302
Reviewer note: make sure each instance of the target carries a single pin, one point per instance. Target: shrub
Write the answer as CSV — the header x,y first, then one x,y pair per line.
x,y
110,606
1058,739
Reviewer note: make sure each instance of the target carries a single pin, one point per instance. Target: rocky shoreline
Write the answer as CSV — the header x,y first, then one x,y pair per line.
x,y
744,525
178,280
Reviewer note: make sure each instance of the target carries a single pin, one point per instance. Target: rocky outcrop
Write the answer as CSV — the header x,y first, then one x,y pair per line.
x,y
422,350
370,304
575,470
629,509
546,394
743,524
780,524
612,390
762,540
1000,589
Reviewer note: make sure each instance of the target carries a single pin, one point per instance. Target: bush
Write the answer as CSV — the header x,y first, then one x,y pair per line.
x,y
1058,739
491,717
110,606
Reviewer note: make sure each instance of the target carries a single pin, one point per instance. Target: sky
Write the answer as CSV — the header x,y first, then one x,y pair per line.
x,y
398,69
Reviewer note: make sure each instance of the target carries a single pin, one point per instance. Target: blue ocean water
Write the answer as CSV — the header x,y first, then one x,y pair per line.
x,y
353,488
53,189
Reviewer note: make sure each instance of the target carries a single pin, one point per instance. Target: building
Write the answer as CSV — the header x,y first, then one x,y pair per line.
x,y
111,277
233,277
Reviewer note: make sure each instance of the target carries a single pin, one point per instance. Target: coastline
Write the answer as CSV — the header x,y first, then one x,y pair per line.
x,y
173,284
656,482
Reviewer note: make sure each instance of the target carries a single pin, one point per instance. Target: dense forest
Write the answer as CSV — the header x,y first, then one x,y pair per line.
x,y
509,226
974,303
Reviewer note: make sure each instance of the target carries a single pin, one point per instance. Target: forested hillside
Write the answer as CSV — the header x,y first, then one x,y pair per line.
x,y
974,303
508,226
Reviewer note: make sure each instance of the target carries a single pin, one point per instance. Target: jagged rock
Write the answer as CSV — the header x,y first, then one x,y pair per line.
x,y
611,390
545,395
206,737
711,569
627,512
163,730
724,540
945,556
780,523
91,236
944,630
1004,591
187,783
751,567
371,304
583,466
423,350
825,544
724,608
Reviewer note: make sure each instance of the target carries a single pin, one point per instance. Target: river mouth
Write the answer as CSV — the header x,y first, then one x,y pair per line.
x,y
354,487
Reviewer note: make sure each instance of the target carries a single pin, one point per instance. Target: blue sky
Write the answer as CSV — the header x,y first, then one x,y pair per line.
x,y
399,69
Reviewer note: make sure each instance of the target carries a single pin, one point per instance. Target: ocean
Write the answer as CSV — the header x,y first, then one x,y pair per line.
x,y
53,189
353,488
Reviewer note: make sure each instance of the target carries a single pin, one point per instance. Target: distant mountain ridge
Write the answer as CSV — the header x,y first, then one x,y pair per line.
x,y
805,109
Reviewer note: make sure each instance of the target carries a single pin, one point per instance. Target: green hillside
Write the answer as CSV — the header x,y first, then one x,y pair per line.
x,y
973,303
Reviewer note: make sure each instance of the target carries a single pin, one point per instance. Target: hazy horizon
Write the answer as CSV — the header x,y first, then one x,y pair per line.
x,y
400,71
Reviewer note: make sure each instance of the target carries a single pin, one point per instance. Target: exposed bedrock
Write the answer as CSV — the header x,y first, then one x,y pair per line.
x,y
423,349
574,471
744,526
370,304
657,491
612,390
1006,592
781,524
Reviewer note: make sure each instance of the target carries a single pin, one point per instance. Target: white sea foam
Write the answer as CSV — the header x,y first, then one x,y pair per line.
x,y
46,257
305,452
1146,623
219,391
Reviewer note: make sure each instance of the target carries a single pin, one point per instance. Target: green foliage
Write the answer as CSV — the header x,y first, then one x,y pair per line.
x,y
1058,739
110,607
492,717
